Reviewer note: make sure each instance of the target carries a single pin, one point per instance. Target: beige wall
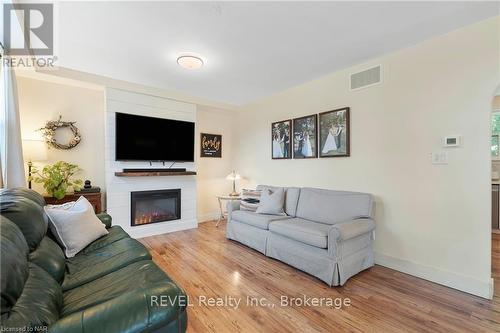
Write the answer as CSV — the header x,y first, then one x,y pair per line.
x,y
40,101
212,172
433,221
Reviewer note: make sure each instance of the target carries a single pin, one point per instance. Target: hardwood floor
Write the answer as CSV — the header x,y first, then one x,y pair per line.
x,y
205,263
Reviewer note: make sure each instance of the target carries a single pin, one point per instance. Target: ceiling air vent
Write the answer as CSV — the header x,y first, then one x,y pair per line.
x,y
366,78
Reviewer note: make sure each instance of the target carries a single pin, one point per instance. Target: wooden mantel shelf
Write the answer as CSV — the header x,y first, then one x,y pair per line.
x,y
154,174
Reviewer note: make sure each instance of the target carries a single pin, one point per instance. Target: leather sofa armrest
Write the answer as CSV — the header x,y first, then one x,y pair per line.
x,y
143,310
231,206
347,230
105,219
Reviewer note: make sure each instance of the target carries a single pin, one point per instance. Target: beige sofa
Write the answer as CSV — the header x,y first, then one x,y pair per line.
x,y
328,234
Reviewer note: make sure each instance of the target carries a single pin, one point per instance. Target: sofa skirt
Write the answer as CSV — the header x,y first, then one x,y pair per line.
x,y
307,258
250,236
317,261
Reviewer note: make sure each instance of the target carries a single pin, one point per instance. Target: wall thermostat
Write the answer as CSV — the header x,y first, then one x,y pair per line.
x,y
452,141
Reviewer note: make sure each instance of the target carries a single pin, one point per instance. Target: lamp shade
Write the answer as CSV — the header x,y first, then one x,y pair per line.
x,y
233,176
34,150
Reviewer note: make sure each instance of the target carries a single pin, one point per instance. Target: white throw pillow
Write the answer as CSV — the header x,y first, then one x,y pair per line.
x,y
75,225
272,202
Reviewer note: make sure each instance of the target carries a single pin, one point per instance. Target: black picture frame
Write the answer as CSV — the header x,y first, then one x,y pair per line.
x,y
305,137
334,133
279,136
210,145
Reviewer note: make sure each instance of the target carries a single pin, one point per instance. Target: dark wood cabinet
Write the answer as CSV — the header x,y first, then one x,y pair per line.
x,y
93,198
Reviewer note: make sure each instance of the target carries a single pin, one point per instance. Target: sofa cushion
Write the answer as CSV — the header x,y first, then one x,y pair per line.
x,y
25,193
85,267
27,215
308,232
260,221
138,275
49,256
291,197
157,307
327,206
14,271
38,305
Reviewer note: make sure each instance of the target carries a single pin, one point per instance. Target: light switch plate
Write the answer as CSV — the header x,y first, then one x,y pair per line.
x,y
439,157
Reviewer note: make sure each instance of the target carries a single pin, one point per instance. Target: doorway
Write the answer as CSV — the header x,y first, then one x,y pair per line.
x,y
495,193
495,165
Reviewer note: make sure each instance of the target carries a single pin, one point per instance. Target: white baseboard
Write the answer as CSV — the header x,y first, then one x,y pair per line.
x,y
208,216
446,278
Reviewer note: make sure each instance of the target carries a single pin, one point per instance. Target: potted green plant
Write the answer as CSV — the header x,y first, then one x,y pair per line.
x,y
57,178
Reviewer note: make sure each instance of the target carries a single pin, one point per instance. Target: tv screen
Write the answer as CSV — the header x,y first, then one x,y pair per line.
x,y
140,138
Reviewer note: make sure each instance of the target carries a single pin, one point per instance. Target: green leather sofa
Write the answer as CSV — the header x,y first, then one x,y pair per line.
x,y
110,286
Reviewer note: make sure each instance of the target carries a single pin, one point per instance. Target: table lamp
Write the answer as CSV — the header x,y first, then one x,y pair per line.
x,y
34,151
233,176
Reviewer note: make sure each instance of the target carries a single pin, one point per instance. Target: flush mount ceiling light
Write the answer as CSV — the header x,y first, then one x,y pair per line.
x,y
190,62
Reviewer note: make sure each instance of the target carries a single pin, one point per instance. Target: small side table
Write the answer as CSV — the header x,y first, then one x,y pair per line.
x,y
222,198
94,198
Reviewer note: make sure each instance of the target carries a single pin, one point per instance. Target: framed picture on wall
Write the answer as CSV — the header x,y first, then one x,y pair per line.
x,y
211,145
305,141
281,147
334,133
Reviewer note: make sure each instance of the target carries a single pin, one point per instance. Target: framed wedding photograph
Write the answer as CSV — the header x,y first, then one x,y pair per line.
x,y
280,138
334,133
305,141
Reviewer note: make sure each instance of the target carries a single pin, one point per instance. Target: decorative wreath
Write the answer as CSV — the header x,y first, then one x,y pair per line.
x,y
49,132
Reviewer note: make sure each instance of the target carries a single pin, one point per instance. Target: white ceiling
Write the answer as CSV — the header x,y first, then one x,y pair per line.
x,y
251,49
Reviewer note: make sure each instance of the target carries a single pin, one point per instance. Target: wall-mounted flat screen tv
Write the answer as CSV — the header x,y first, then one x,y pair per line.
x,y
140,138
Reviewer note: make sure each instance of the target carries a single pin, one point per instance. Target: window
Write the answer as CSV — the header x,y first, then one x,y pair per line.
x,y
495,135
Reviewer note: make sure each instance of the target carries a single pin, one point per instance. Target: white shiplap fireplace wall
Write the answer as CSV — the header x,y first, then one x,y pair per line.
x,y
118,189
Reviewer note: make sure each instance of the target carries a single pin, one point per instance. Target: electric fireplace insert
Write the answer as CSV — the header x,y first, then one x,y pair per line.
x,y
155,206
